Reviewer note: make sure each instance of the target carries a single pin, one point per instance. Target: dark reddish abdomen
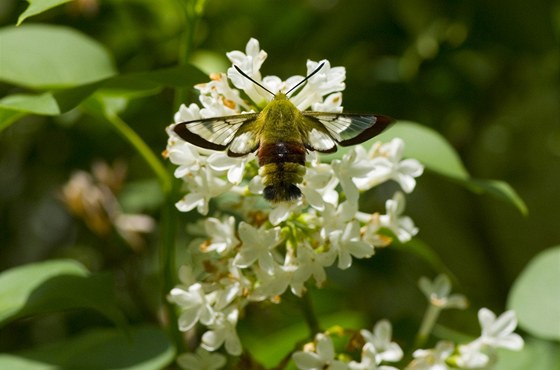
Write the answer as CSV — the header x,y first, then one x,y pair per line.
x,y
282,167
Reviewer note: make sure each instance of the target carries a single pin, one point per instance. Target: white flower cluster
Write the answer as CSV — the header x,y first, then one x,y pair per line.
x,y
379,349
280,248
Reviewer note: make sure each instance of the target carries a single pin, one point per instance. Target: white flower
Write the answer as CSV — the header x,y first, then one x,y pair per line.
x,y
369,360
335,218
187,156
235,167
222,234
318,186
185,113
257,245
370,231
438,293
380,342
472,356
194,306
201,360
347,243
322,359
249,62
327,81
214,106
309,263
271,286
203,187
432,359
403,227
387,163
222,331
219,87
332,103
498,332
282,210
352,166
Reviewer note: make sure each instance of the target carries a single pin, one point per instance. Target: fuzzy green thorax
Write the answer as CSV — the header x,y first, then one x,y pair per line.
x,y
280,120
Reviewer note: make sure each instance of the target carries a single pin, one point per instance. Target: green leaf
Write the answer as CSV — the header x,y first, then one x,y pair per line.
x,y
500,190
114,91
46,56
142,348
39,6
44,104
429,147
536,354
143,83
9,116
17,284
535,295
434,152
53,286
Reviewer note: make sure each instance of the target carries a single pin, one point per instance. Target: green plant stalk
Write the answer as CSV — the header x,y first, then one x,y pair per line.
x,y
167,224
168,271
143,149
430,317
309,314
192,9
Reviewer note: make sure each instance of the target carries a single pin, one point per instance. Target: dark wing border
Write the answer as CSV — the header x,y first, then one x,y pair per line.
x,y
215,125
365,125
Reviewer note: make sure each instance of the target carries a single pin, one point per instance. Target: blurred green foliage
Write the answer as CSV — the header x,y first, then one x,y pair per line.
x,y
485,74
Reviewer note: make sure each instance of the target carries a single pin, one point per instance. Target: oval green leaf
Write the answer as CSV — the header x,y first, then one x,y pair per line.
x,y
434,152
54,286
140,348
429,147
39,6
43,104
17,284
535,295
46,56
537,354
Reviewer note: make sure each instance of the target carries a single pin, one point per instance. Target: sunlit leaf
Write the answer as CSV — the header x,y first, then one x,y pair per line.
x,y
17,284
9,116
115,91
141,348
500,190
535,295
429,147
48,56
39,6
434,152
54,286
536,354
43,104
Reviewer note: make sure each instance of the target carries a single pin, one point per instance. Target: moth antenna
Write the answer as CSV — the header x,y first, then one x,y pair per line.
x,y
253,81
306,78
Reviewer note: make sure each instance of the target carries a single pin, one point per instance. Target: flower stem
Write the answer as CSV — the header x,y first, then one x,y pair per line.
x,y
192,9
167,266
428,322
143,149
309,314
